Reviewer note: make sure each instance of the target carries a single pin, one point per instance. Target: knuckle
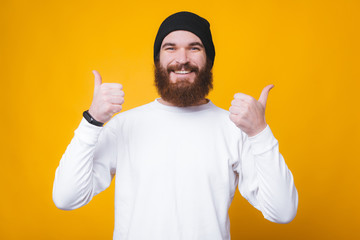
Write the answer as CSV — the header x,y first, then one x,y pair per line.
x,y
107,108
105,92
105,98
247,99
118,99
102,87
117,109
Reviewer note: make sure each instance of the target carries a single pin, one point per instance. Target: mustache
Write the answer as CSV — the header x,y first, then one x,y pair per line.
x,y
185,67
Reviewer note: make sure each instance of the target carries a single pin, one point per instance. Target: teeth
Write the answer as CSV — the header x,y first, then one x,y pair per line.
x,y
182,72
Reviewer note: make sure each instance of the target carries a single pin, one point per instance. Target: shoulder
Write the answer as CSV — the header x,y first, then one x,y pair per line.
x,y
223,116
219,110
220,114
129,115
134,111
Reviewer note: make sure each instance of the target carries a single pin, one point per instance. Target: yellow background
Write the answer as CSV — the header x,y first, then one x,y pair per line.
x,y
308,49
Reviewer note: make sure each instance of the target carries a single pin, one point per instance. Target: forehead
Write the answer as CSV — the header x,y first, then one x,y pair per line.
x,y
179,37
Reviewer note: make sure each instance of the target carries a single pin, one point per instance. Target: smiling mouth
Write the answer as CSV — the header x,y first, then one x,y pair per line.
x,y
182,72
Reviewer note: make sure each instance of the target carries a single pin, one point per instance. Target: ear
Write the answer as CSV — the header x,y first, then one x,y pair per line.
x,y
209,62
157,57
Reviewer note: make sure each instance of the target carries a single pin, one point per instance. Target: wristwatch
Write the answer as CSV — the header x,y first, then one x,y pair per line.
x,y
91,120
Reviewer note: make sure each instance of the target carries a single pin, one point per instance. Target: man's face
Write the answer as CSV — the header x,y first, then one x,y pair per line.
x,y
183,74
182,53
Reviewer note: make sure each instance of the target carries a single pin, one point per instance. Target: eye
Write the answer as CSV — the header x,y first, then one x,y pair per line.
x,y
195,49
169,49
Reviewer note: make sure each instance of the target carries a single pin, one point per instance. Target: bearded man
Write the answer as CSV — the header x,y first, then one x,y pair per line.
x,y
177,160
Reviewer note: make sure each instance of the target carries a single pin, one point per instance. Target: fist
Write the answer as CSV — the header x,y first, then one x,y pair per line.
x,y
107,100
248,114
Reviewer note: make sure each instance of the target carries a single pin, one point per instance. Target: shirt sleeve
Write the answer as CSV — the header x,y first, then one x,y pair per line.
x,y
87,167
264,178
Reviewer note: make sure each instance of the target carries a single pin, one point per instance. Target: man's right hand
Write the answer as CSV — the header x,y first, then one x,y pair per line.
x,y
107,100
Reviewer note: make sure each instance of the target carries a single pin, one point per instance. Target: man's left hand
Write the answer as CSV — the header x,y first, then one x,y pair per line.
x,y
248,114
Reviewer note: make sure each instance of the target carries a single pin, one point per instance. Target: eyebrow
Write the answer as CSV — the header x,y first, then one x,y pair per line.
x,y
168,44
196,44
191,44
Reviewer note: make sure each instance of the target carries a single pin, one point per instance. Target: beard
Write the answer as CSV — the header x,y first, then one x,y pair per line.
x,y
184,93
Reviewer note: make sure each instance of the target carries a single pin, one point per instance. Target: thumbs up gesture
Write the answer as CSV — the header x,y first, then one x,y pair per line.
x,y
248,114
107,100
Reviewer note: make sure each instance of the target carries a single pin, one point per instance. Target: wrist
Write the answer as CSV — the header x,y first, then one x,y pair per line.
x,y
257,131
91,119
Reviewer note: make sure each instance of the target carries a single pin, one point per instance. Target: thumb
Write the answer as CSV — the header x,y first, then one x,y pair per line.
x,y
264,94
98,80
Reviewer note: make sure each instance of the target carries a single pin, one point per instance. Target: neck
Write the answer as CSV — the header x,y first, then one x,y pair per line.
x,y
201,102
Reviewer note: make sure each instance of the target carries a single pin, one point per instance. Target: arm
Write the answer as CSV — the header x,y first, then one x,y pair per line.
x,y
264,178
87,166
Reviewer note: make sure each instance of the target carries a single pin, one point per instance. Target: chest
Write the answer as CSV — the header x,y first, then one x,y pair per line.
x,y
189,154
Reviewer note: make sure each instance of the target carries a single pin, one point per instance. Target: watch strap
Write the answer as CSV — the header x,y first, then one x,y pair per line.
x,y
92,120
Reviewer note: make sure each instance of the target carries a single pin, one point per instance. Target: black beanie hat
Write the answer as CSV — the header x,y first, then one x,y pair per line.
x,y
190,22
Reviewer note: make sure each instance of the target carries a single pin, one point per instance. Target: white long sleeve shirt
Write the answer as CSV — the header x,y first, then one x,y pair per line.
x,y
176,170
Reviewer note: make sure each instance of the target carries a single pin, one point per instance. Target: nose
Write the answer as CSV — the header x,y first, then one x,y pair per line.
x,y
181,56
